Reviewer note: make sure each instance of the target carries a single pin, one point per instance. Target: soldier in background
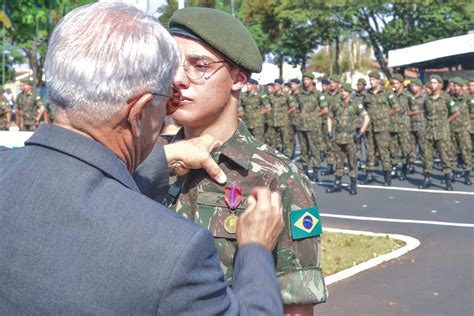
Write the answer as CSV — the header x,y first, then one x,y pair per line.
x,y
251,103
310,113
439,109
470,88
381,105
332,97
246,161
268,136
5,113
358,98
292,115
460,129
417,122
342,121
30,110
400,137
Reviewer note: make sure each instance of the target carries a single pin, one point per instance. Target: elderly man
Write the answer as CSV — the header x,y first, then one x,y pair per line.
x,y
213,73
96,245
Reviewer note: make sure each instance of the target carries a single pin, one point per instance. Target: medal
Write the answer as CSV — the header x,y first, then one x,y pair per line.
x,y
232,198
230,224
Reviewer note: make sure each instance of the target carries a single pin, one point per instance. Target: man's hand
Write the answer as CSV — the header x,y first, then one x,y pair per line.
x,y
262,221
194,153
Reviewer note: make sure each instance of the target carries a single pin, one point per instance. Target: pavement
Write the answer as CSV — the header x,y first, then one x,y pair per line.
x,y
436,278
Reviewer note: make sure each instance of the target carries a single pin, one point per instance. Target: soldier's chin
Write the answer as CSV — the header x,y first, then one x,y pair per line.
x,y
187,118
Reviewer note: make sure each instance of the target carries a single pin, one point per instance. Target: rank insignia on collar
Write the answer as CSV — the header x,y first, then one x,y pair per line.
x,y
305,223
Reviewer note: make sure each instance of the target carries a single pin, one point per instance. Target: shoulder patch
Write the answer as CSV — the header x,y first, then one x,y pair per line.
x,y
452,103
361,106
472,100
305,223
322,97
390,96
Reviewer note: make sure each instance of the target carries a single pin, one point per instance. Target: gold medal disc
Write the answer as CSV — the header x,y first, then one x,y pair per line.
x,y
230,224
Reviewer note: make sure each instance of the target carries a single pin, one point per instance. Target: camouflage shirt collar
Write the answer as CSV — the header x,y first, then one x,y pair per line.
x,y
239,148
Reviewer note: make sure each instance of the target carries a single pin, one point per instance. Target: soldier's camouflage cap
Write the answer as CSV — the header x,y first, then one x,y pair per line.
x,y
28,81
417,82
437,78
362,80
458,80
221,31
346,87
374,74
308,75
335,78
398,77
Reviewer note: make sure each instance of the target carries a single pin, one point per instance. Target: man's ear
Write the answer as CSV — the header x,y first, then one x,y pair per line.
x,y
240,80
135,113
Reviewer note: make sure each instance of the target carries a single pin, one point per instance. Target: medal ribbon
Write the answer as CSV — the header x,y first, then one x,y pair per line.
x,y
233,196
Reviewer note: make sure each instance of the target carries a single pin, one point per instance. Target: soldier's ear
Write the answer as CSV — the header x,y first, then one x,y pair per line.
x,y
240,80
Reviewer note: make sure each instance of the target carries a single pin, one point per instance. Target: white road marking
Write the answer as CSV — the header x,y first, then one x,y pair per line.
x,y
396,220
411,243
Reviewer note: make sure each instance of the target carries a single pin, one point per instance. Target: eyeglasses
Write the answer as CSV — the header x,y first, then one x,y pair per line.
x,y
195,67
171,106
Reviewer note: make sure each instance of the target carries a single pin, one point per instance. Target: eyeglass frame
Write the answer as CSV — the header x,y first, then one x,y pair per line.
x,y
206,65
170,107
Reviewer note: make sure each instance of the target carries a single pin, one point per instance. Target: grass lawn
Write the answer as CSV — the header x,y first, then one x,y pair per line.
x,y
342,251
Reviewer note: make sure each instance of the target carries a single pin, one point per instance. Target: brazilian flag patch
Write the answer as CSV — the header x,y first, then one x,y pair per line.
x,y
305,223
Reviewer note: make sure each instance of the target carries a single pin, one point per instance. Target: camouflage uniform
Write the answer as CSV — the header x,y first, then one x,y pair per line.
x,y
309,127
378,105
400,130
293,120
254,120
358,98
417,127
460,129
4,109
29,106
331,100
278,123
344,118
437,111
247,162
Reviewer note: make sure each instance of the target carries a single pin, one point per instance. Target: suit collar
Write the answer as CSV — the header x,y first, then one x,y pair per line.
x,y
82,148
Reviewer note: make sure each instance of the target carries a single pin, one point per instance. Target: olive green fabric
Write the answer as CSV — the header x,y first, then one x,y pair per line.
x,y
28,81
458,80
335,78
374,74
362,80
222,32
436,77
417,82
398,77
347,87
308,74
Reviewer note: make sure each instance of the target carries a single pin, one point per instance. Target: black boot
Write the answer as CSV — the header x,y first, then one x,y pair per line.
x,y
447,181
336,187
329,170
353,188
403,173
387,179
369,178
314,177
426,181
411,168
467,178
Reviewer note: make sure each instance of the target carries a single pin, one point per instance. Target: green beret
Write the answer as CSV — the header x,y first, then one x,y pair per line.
x,y
470,80
398,77
436,77
362,80
374,74
458,80
347,87
417,82
335,78
221,31
28,81
308,75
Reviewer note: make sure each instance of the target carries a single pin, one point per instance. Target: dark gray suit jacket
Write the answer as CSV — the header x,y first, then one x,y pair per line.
x,y
78,237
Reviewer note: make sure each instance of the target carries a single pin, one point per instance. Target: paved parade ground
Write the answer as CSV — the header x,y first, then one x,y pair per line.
x,y
437,278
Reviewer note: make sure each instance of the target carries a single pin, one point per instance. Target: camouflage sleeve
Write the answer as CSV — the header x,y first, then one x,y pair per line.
x,y
361,110
323,102
266,102
298,260
452,106
392,100
18,102
412,104
471,107
293,101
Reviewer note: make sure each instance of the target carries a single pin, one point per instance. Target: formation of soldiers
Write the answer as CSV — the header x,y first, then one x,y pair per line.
x,y
29,111
394,125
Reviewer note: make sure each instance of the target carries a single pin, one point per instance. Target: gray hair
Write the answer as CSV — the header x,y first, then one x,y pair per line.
x,y
103,54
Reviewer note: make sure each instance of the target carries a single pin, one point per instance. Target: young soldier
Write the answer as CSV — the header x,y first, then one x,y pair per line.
x,y
30,111
252,105
5,113
459,128
342,120
358,98
417,121
380,105
310,112
332,98
293,117
214,71
439,111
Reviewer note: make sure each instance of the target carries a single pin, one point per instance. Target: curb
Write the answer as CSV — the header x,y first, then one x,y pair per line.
x,y
411,243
